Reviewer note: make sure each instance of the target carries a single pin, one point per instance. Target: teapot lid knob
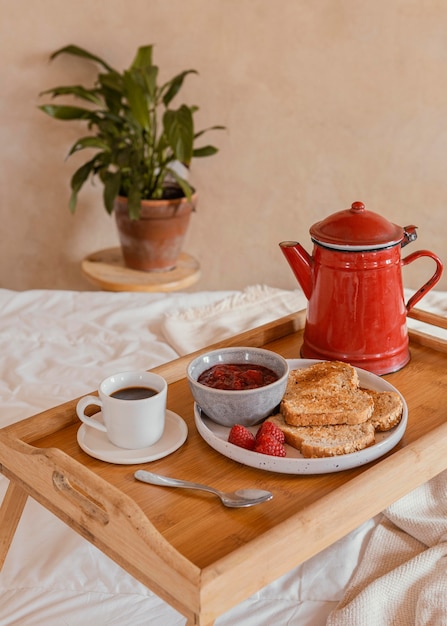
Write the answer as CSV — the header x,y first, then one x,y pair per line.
x,y
357,207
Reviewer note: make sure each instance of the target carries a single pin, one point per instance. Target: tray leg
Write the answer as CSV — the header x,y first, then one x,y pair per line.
x,y
10,514
197,621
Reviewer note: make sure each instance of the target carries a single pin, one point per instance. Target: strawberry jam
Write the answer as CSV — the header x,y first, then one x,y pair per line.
x,y
237,376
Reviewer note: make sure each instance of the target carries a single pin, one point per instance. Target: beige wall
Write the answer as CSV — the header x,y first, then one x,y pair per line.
x,y
326,102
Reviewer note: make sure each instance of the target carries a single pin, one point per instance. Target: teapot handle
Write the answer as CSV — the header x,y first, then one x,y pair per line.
x,y
420,293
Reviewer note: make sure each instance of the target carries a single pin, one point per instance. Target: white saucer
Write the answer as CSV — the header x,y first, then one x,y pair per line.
x,y
96,444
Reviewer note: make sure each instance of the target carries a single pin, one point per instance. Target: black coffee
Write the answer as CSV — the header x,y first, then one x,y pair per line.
x,y
134,393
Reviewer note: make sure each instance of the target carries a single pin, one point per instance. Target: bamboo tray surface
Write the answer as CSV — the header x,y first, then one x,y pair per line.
x,y
211,542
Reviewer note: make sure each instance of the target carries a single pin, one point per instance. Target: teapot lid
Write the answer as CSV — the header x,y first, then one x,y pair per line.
x,y
356,229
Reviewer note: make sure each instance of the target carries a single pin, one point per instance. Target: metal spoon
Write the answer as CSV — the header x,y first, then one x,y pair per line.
x,y
236,499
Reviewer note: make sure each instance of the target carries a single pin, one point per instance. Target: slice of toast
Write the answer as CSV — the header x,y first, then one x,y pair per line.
x,y
325,393
322,409
326,441
388,409
324,377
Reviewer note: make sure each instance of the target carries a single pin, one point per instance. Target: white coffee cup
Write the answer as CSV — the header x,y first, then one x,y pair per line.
x,y
128,422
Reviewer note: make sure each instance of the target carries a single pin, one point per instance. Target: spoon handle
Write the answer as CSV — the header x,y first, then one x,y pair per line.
x,y
165,481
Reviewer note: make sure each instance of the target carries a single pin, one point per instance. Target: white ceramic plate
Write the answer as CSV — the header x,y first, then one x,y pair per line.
x,y
95,443
294,463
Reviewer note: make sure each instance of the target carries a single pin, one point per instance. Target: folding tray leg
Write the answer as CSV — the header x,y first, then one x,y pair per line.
x,y
10,514
196,621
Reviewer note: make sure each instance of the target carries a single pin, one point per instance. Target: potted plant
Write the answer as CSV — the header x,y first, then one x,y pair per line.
x,y
142,152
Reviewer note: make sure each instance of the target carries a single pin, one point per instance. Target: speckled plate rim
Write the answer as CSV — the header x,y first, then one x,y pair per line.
x,y
294,463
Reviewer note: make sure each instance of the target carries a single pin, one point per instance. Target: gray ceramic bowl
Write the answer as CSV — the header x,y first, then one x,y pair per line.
x,y
247,406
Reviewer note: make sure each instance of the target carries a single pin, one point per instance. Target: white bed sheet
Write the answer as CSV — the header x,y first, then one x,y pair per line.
x,y
57,345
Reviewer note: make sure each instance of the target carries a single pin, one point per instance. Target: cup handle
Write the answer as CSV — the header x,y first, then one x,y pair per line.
x,y
420,293
90,421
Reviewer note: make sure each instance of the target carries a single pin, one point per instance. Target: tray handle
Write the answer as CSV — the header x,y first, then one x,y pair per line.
x,y
91,508
99,511
428,318
426,339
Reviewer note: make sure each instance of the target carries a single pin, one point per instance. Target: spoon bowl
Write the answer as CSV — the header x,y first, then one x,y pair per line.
x,y
236,499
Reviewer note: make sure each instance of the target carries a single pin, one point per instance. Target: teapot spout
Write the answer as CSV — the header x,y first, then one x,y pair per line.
x,y
301,264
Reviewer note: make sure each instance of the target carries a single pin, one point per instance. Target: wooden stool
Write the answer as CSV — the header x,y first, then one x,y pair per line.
x,y
106,269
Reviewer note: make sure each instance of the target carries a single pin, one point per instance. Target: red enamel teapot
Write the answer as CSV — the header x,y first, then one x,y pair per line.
x,y
353,282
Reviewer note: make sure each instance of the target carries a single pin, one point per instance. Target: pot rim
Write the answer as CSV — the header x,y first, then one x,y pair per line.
x,y
160,201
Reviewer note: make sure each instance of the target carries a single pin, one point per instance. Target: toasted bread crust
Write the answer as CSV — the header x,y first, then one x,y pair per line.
x,y
388,409
326,441
350,407
325,413
323,377
325,393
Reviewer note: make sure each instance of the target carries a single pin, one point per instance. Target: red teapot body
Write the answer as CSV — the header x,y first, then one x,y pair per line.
x,y
353,282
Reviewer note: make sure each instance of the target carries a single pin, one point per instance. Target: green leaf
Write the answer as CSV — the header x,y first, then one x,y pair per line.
x,y
134,203
171,88
80,52
77,180
89,142
66,112
112,81
205,130
77,91
112,182
149,76
143,57
136,99
183,184
179,129
204,151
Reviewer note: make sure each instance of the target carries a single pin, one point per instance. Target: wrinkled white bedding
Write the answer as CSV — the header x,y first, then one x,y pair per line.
x,y
58,345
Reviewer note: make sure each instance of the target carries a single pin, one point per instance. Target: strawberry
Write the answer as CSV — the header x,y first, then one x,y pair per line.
x,y
242,437
267,444
269,428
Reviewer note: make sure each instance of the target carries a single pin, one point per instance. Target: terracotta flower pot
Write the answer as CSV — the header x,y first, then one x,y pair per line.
x,y
154,242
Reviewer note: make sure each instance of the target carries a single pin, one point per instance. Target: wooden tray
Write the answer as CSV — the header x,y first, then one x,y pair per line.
x,y
194,553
